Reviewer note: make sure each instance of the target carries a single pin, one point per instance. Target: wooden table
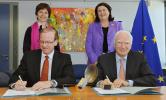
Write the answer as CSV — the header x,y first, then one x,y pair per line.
x,y
88,94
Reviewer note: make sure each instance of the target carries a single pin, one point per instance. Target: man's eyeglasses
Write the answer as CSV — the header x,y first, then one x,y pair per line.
x,y
122,43
47,42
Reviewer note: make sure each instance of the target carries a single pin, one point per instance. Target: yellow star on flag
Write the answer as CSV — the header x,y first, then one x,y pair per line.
x,y
154,40
161,79
140,51
145,38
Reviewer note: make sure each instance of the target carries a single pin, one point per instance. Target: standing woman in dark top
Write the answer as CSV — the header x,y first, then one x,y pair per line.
x,y
100,35
31,38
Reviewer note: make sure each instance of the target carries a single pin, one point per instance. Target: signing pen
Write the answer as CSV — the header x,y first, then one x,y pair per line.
x,y
108,78
20,79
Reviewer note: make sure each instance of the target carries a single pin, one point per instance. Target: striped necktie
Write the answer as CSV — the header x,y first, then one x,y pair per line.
x,y
121,71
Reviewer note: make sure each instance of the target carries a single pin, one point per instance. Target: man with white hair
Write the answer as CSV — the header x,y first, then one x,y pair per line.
x,y
124,67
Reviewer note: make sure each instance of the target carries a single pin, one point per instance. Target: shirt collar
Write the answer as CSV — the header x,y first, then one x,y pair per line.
x,y
118,57
50,55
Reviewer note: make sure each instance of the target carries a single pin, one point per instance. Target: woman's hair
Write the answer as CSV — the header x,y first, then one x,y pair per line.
x,y
43,6
110,18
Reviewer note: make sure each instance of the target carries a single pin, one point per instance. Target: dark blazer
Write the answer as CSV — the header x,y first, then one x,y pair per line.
x,y
137,69
29,69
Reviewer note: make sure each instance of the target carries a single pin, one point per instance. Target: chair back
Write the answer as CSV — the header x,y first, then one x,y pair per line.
x,y
79,70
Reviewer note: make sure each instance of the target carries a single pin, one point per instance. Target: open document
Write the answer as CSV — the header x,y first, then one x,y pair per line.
x,y
128,90
29,92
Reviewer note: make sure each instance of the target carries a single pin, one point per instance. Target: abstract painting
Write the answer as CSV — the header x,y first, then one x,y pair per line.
x,y
72,25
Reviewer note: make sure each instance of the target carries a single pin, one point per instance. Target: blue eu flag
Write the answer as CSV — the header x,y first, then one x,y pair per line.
x,y
144,41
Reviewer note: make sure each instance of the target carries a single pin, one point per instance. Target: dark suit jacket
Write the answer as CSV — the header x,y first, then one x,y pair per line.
x,y
29,69
137,69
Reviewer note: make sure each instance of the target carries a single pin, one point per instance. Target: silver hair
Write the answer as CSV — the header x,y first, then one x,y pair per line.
x,y
126,32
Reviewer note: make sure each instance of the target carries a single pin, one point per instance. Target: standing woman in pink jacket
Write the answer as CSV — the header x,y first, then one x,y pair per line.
x,y
31,38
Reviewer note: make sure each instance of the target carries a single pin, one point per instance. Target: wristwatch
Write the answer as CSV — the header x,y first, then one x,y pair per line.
x,y
53,84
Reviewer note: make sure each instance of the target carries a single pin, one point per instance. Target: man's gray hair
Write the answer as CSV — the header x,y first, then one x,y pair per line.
x,y
123,31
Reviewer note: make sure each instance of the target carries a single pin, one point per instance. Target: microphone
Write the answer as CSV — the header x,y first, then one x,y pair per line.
x,y
90,76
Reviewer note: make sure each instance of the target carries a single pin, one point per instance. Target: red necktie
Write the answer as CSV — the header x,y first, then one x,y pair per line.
x,y
44,73
121,71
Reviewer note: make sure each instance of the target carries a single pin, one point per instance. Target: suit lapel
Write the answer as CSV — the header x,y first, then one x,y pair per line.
x,y
114,68
37,64
55,65
129,64
111,69
99,30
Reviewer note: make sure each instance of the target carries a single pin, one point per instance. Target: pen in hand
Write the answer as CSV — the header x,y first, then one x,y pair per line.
x,y
106,83
108,79
21,80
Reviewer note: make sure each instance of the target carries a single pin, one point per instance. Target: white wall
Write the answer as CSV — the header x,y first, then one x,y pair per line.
x,y
124,11
157,15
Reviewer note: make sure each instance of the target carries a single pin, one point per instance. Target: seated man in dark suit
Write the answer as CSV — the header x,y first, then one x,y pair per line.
x,y
124,67
43,68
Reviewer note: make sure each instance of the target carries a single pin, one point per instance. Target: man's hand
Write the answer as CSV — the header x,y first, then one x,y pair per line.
x,y
119,83
20,85
41,85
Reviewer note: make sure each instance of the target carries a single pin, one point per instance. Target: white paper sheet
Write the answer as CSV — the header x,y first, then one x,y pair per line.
x,y
28,91
112,91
